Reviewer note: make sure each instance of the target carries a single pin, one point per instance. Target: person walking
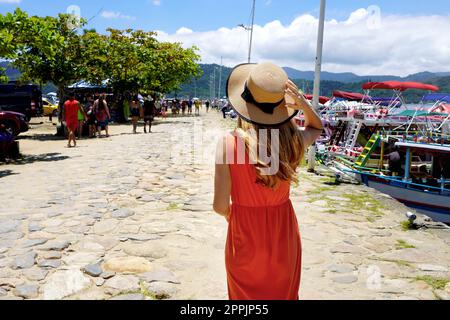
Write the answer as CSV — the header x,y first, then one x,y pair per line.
x,y
91,119
102,115
190,104
207,105
263,250
136,112
224,110
198,105
82,117
183,107
149,113
70,116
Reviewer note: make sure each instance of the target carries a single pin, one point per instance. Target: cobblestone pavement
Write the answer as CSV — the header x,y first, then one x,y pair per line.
x,y
124,218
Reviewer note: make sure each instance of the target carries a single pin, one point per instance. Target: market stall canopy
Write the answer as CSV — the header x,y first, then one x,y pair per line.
x,y
398,85
442,97
322,100
350,96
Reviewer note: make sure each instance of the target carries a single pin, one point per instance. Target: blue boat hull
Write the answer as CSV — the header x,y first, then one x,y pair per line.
x,y
432,204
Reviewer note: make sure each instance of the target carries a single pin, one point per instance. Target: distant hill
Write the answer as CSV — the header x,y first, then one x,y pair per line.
x,y
11,73
203,87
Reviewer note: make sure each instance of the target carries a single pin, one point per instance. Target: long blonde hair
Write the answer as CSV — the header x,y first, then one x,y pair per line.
x,y
291,151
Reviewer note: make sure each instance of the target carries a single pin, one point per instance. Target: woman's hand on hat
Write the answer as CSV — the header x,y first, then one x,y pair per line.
x,y
300,101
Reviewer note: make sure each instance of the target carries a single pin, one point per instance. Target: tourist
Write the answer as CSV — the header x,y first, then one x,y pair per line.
x,y
136,112
224,110
102,115
190,104
149,113
82,117
198,105
183,107
263,251
70,116
207,104
6,141
395,162
91,120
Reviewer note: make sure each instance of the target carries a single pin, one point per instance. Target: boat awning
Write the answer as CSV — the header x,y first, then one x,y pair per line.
x,y
384,102
432,148
398,85
350,96
322,99
443,97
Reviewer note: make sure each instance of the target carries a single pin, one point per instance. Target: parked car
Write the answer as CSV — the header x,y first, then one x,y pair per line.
x,y
24,99
49,109
15,123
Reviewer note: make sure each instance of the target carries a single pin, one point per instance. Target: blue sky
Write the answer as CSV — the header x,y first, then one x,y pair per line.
x,y
203,15
405,38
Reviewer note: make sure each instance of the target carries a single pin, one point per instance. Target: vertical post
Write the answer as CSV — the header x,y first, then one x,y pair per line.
x,y
319,54
312,149
382,155
408,164
214,85
220,77
251,32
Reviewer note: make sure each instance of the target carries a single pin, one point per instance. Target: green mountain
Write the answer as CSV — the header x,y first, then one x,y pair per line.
x,y
209,82
213,82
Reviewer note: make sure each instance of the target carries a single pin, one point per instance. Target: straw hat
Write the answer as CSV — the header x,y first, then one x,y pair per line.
x,y
257,93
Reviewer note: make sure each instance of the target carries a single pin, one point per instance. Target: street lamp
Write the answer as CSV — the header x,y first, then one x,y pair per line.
x,y
250,29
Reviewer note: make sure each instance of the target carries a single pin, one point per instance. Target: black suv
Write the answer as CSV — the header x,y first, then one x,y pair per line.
x,y
25,99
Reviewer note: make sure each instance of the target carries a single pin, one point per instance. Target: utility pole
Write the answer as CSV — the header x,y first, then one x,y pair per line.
x,y
251,32
316,95
319,55
220,77
214,82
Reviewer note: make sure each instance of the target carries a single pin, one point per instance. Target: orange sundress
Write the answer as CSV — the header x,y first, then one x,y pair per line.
x,y
263,250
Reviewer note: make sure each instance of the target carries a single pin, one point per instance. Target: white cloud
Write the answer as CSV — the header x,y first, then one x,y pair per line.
x,y
10,1
398,45
157,2
116,15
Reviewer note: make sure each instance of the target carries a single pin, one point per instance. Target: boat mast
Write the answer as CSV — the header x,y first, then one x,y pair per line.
x,y
251,32
220,77
319,55
316,95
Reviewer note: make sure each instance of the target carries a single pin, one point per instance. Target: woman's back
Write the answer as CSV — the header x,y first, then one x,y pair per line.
x,y
245,190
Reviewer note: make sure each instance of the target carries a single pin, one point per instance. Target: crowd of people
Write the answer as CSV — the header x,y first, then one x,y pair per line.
x,y
193,106
94,112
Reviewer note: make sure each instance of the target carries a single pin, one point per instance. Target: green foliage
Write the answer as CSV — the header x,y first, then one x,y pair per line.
x,y
50,50
435,283
402,244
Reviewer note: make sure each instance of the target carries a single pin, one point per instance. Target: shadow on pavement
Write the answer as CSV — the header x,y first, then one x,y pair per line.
x,y
41,137
5,173
46,157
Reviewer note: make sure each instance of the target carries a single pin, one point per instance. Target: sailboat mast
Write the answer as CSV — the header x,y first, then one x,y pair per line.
x,y
251,31
220,77
319,55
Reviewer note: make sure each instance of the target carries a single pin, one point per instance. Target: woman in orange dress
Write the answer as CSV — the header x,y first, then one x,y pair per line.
x,y
255,167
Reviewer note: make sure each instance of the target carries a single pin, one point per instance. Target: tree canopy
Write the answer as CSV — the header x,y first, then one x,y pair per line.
x,y
50,49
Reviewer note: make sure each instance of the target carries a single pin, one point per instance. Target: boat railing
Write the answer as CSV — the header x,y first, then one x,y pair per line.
x,y
400,180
